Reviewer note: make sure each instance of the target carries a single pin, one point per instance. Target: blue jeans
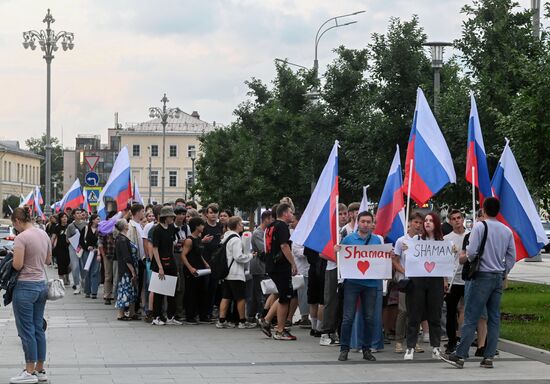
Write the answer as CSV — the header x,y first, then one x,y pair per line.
x,y
93,276
77,265
367,295
375,336
483,292
29,301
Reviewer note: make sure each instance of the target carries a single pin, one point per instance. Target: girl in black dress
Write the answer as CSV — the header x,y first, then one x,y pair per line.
x,y
61,248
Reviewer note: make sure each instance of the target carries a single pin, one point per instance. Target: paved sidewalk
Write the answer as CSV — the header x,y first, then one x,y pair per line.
x,y
86,344
532,272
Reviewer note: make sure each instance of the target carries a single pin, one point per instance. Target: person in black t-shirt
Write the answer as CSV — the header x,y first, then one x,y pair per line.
x,y
281,267
164,263
211,238
196,287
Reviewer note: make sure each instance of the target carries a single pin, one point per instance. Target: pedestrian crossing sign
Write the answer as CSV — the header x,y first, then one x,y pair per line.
x,y
93,195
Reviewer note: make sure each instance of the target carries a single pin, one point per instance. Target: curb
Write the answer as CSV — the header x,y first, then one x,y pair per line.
x,y
526,351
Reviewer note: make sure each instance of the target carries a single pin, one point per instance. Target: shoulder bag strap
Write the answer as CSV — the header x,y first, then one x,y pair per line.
x,y
481,248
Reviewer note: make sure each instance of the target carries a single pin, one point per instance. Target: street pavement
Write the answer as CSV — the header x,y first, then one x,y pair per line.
x,y
86,344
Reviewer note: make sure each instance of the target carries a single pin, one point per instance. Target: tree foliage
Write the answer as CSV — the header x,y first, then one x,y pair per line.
x,y
281,137
38,146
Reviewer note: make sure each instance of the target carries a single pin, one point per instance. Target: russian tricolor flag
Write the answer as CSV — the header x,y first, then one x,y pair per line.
x,y
119,185
427,151
27,200
517,209
37,202
136,195
73,198
390,217
317,227
476,158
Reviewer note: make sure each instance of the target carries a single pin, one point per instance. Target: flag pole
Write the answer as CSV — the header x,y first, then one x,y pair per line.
x,y
473,195
337,236
408,195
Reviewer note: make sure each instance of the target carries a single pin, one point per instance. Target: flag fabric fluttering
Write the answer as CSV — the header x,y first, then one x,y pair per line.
x,y
37,202
317,227
27,200
85,203
73,198
517,209
476,157
136,196
427,151
119,186
390,217
363,206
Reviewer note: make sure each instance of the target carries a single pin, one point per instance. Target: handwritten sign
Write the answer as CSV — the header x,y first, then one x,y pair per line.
x,y
428,258
365,261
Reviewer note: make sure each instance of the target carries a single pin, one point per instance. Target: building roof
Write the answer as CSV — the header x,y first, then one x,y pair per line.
x,y
12,146
185,124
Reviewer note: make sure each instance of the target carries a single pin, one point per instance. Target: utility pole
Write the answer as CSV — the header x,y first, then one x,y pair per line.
x,y
535,6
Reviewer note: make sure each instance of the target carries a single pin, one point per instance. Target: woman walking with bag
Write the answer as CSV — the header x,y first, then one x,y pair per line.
x,y
127,259
91,283
61,248
31,251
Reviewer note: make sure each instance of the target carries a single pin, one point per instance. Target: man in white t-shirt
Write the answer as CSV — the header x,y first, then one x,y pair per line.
x,y
414,228
456,285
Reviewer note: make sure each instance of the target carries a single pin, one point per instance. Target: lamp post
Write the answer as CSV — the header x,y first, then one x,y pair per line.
x,y
436,48
54,191
321,32
48,41
150,189
193,175
163,114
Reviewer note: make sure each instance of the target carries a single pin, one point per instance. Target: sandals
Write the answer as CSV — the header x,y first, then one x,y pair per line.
x,y
124,318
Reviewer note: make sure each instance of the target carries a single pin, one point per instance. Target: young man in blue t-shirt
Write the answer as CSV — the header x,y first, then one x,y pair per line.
x,y
365,289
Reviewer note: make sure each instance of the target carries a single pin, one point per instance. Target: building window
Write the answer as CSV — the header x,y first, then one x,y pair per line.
x,y
154,178
191,151
173,178
154,150
173,150
135,150
9,170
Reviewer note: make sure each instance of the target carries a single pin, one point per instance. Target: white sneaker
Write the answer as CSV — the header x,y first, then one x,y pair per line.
x,y
173,321
409,355
221,325
246,325
426,337
436,353
77,290
24,377
41,375
157,321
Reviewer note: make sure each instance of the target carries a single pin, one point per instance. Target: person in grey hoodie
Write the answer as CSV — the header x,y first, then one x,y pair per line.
x,y
233,287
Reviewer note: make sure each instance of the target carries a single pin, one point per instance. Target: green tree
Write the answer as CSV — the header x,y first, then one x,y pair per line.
x,y
38,146
11,201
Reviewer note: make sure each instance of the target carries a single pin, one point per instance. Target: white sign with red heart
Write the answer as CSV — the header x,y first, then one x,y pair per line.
x,y
365,261
428,258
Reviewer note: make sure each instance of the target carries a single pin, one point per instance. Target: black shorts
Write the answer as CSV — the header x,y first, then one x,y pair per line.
x,y
315,285
283,282
233,290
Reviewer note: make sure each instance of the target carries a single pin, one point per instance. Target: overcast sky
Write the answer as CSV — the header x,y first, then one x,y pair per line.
x,y
129,52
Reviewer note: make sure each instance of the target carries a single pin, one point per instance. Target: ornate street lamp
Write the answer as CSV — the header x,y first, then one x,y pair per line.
x,y
49,42
163,114
437,48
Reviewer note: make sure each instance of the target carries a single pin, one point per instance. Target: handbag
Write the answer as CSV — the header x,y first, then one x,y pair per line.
x,y
56,288
471,268
268,286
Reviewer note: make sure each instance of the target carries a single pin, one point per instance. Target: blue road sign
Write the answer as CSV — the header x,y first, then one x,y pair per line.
x,y
92,179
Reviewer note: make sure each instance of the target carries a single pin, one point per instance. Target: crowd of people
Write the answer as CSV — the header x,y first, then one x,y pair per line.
x,y
125,250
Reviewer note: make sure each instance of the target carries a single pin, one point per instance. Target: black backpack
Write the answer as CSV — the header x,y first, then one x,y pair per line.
x,y
218,263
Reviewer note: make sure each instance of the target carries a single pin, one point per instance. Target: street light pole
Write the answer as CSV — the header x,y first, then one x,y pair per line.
x,y
436,48
193,175
320,34
163,114
150,190
48,40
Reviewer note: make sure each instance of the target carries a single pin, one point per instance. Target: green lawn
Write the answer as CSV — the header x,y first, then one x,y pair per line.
x,y
526,314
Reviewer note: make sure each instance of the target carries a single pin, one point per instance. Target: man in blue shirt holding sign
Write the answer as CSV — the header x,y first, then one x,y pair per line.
x,y
359,288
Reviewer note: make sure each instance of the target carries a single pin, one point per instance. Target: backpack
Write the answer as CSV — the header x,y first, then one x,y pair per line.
x,y
218,263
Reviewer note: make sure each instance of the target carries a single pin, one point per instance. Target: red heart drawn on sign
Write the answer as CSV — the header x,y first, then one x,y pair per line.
x,y
429,266
363,266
